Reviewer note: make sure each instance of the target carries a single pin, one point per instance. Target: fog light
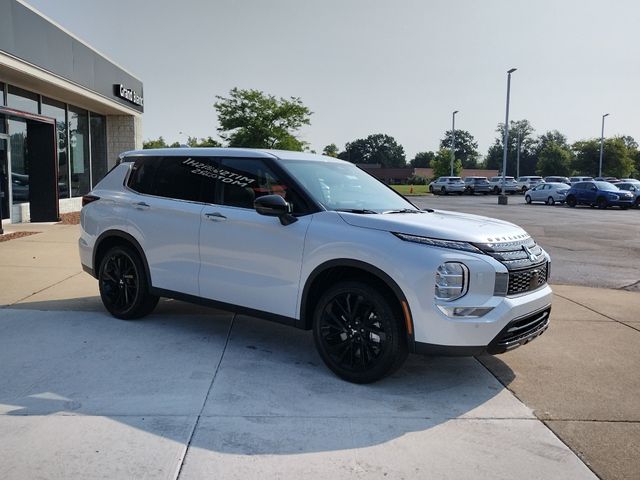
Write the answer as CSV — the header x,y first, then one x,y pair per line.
x,y
452,281
467,312
502,284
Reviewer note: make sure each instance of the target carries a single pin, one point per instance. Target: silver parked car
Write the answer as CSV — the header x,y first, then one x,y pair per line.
x,y
632,186
446,185
549,193
510,185
525,183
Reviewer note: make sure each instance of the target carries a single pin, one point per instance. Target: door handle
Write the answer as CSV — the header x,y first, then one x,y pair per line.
x,y
215,216
141,206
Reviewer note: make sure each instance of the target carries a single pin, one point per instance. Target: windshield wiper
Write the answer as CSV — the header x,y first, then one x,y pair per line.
x,y
363,211
407,210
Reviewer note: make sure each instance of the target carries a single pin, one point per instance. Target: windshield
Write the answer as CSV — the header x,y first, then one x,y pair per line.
x,y
606,186
343,186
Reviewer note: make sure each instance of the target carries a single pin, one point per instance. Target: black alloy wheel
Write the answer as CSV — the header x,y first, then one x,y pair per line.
x,y
527,199
123,284
550,201
357,332
443,190
601,203
571,201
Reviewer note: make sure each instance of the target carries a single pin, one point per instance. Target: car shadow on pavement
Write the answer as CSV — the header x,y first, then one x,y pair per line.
x,y
252,386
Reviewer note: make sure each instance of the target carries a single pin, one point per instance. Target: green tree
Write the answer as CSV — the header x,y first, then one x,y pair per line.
x,y
466,147
422,159
154,143
202,142
528,156
377,148
617,158
251,118
331,150
554,159
441,164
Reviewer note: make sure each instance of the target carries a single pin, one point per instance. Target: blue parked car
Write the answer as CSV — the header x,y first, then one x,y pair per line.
x,y
598,194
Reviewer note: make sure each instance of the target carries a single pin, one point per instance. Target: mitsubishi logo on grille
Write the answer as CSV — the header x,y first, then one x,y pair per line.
x,y
529,253
533,282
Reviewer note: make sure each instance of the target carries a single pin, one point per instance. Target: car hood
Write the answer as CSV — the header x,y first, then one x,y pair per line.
x,y
440,224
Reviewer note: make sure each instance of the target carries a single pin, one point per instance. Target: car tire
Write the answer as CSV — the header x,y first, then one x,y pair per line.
x,y
358,333
601,203
524,189
123,284
460,193
431,188
550,201
637,204
527,199
496,190
571,201
443,191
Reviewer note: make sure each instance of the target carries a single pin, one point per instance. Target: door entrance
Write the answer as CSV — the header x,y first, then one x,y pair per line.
x,y
28,167
5,161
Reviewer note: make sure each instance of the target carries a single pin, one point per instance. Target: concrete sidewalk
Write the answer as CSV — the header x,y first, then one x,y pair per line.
x,y
196,392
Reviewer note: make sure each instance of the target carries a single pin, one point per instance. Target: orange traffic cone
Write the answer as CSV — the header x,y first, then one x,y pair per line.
x,y
411,189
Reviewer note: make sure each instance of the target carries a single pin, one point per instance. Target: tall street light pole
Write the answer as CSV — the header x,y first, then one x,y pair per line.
x,y
518,157
502,199
453,140
601,144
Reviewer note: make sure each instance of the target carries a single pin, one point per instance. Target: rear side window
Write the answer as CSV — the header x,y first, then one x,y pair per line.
x,y
143,174
169,177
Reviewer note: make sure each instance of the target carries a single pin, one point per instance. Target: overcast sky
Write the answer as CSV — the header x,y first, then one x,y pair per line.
x,y
398,67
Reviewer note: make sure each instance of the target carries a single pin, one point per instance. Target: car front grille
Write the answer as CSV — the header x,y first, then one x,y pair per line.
x,y
520,331
522,281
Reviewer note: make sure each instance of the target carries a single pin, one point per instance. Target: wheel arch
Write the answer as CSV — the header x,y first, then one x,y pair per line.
x,y
349,269
112,238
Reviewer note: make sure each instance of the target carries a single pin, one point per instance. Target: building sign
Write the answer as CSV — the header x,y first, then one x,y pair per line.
x,y
128,94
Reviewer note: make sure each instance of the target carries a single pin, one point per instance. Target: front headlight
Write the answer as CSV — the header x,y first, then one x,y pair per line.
x,y
613,196
452,281
437,242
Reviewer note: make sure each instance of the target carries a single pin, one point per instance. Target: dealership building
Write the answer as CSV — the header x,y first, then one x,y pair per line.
x,y
66,112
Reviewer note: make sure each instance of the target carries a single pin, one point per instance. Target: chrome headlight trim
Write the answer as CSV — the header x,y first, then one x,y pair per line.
x,y
439,242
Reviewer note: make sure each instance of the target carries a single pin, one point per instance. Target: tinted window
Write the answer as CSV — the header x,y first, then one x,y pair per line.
x,y
142,175
177,178
170,177
242,180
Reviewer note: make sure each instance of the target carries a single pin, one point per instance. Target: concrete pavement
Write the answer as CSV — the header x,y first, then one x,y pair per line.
x,y
194,392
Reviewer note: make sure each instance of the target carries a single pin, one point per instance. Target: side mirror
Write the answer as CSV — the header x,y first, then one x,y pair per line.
x,y
275,206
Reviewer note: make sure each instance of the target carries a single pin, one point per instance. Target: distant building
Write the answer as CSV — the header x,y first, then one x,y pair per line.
x,y
66,112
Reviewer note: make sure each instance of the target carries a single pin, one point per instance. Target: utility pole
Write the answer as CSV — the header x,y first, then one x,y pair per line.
x,y
502,199
453,140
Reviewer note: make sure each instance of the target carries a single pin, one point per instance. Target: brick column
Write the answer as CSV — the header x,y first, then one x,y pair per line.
x,y
124,132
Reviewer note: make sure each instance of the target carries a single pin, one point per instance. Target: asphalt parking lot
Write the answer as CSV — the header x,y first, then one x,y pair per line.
x,y
191,392
590,247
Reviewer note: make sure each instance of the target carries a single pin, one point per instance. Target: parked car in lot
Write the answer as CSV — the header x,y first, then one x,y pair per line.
x,y
447,185
573,180
316,243
510,185
476,185
548,192
525,183
633,187
598,194
564,180
613,180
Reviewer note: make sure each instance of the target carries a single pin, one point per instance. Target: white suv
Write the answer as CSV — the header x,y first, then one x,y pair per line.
x,y
316,243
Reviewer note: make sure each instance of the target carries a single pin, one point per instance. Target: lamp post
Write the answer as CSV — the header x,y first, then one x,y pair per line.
x,y
453,140
518,157
601,144
502,199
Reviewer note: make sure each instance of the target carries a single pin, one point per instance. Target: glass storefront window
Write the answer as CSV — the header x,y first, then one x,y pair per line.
x,y
79,149
22,100
1,93
19,161
54,109
98,127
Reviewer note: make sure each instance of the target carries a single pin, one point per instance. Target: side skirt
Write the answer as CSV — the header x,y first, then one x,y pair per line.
x,y
206,302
